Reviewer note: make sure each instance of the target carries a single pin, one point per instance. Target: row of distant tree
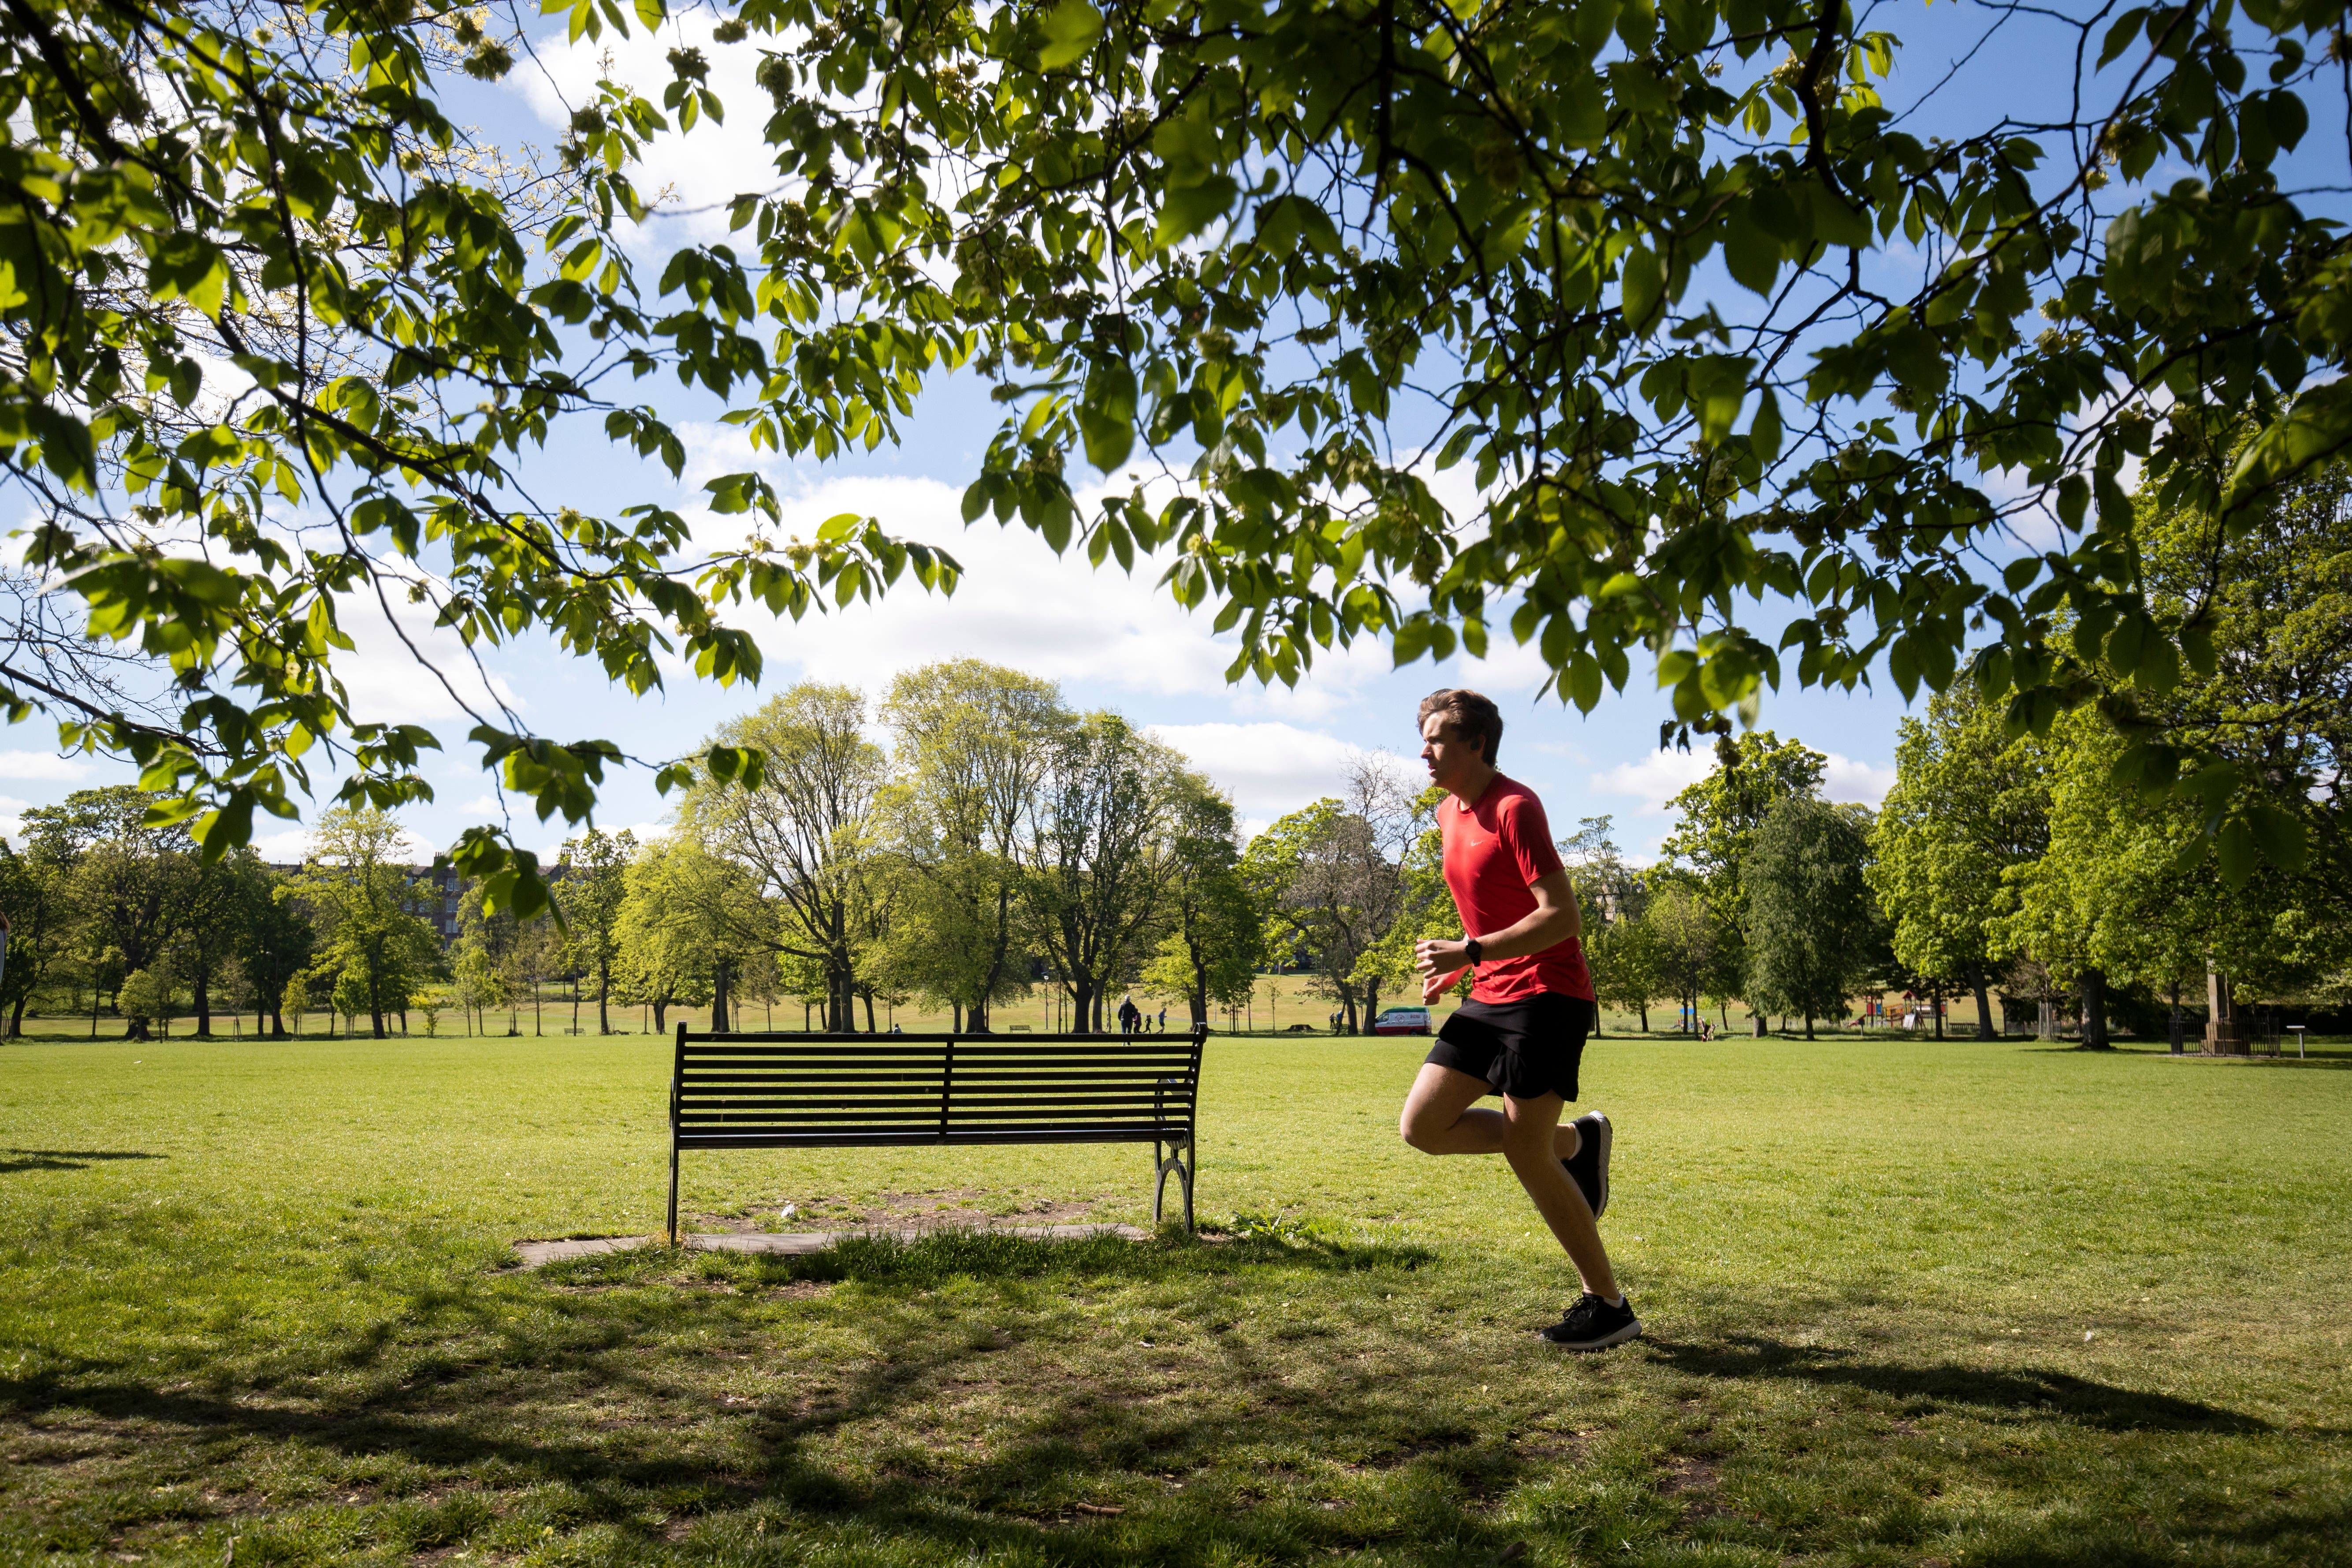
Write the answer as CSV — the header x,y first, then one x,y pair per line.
x,y
998,838
995,840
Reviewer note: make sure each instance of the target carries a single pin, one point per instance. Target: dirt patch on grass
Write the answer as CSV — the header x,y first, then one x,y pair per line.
x,y
1697,1485
946,1207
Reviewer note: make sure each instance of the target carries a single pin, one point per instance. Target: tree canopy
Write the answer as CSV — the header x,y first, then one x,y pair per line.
x,y
280,338
1811,921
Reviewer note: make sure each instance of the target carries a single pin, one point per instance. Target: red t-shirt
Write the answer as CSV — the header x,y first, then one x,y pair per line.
x,y
1496,851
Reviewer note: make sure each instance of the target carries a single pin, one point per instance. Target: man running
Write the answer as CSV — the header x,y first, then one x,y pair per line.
x,y
1522,1032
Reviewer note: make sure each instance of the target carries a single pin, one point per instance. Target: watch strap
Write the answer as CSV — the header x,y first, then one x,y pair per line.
x,y
1472,951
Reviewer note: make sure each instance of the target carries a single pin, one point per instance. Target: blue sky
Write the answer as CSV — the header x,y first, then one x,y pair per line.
x,y
1111,641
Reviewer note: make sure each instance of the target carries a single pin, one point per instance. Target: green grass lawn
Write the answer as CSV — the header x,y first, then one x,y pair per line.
x,y
1906,1302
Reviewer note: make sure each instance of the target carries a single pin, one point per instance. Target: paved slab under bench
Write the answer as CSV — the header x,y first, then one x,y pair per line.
x,y
535,1253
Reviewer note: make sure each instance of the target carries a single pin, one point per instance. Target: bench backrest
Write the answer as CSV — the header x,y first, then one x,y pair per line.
x,y
835,1090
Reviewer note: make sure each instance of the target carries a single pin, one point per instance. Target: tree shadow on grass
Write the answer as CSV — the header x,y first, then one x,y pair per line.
x,y
909,1441
2030,1390
65,1160
492,1408
2301,1531
981,1254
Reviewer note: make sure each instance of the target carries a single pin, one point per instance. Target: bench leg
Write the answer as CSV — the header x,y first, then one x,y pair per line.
x,y
1177,1162
673,1194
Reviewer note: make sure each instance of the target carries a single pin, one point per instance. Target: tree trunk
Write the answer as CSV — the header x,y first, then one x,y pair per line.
x,y
2225,1034
2094,1009
661,1015
1936,1005
719,998
1762,1026
1809,1026
16,1018
603,1000
869,1014
1644,1009
202,1001
1984,1003
2180,1023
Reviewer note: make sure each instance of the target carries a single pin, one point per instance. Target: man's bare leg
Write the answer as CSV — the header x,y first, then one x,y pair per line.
x,y
1440,1117
1442,1104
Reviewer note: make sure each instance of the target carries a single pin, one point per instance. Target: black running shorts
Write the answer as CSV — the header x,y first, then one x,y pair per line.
x,y
1526,1049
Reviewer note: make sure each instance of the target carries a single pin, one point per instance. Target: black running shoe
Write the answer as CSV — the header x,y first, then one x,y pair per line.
x,y
1589,1166
1593,1325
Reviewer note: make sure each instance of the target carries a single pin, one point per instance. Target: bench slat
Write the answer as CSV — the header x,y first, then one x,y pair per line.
x,y
978,1138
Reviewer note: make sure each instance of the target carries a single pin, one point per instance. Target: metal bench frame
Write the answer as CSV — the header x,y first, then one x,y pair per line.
x,y
800,1090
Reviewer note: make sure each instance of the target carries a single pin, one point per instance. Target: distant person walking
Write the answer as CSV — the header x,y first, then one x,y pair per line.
x,y
1521,1033
1131,1017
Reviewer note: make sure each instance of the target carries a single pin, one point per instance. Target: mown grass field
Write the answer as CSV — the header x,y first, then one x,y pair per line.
x,y
1906,1302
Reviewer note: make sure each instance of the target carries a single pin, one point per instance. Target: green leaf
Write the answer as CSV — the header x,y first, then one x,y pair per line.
x,y
1642,283
1764,431
1108,439
1185,210
2197,647
1752,255
2282,840
741,765
2240,855
1071,28
2120,36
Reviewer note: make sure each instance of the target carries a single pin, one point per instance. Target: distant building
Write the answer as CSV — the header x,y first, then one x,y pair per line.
x,y
437,888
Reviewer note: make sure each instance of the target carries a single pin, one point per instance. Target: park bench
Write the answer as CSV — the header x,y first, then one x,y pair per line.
x,y
907,1090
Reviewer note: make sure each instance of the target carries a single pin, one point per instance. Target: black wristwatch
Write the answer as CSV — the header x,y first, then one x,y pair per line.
x,y
1470,950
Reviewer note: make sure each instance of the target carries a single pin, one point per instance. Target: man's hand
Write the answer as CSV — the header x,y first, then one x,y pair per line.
x,y
1441,964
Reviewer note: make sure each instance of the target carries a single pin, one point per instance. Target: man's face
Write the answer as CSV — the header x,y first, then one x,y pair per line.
x,y
1451,757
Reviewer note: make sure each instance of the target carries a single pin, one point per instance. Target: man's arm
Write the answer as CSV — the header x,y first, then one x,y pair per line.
x,y
1554,920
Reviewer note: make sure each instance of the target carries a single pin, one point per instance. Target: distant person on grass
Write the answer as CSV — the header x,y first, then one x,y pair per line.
x,y
1522,1032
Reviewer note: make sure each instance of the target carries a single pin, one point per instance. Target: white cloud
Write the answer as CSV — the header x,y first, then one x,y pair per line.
x,y
1017,604
11,817
699,172
283,849
1863,783
293,846
1269,769
387,683
1661,776
1656,779
42,765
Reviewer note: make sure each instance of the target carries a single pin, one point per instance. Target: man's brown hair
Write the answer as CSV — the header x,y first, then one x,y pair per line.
x,y
1473,715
